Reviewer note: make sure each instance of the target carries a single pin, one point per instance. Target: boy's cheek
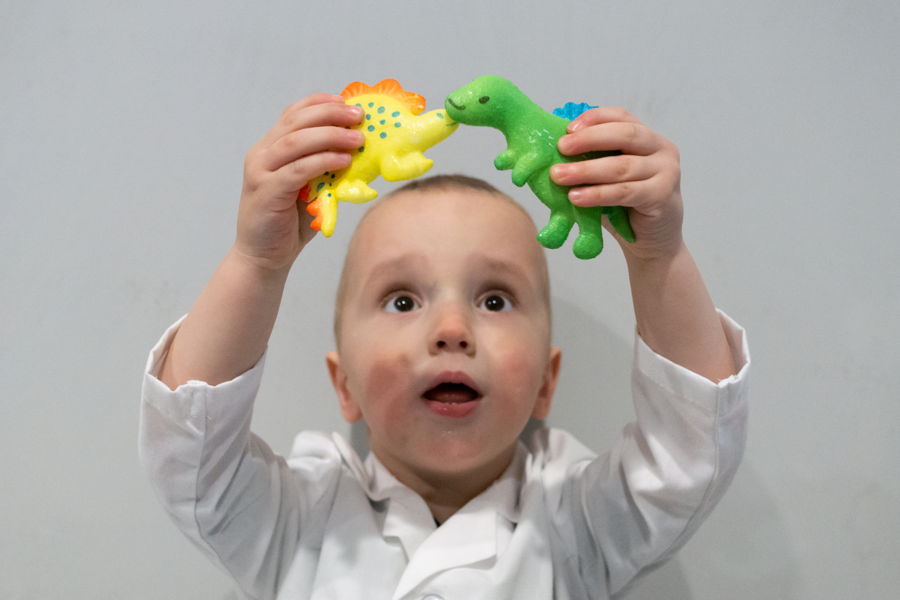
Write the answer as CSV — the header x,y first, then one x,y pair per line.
x,y
520,372
386,376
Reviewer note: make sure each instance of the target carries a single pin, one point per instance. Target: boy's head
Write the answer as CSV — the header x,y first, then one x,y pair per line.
x,y
443,328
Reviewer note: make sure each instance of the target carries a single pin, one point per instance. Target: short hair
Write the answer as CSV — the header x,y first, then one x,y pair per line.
x,y
425,184
451,181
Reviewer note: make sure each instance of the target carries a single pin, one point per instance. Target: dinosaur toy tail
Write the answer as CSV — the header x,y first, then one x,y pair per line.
x,y
311,207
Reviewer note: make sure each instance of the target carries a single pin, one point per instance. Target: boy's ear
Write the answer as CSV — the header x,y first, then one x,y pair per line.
x,y
548,387
349,409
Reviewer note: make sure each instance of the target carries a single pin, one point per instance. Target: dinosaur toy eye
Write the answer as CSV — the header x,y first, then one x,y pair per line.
x,y
484,99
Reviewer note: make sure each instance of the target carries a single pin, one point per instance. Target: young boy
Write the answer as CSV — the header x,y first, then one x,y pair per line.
x,y
442,325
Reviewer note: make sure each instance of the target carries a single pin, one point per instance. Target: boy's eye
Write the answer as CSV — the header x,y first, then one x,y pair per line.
x,y
496,303
399,304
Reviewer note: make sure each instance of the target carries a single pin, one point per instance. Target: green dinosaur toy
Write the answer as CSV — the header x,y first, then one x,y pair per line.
x,y
531,137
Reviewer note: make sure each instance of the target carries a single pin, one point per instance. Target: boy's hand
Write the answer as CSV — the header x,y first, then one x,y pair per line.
x,y
645,177
675,315
309,139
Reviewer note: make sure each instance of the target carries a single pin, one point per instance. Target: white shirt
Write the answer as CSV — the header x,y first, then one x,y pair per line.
x,y
560,522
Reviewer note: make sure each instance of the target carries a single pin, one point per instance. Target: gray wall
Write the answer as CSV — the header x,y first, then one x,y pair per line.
x,y
123,127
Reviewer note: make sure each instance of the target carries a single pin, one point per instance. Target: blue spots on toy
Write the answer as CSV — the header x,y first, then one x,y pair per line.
x,y
368,117
570,110
440,115
397,125
361,149
371,128
395,114
380,109
383,135
371,104
320,186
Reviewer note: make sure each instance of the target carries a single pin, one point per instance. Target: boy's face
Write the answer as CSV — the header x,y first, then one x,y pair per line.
x,y
444,339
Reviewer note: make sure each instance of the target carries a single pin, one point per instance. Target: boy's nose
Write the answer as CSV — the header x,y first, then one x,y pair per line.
x,y
451,333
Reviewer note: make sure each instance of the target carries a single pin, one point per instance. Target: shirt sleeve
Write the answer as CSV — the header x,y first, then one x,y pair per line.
x,y
636,505
228,492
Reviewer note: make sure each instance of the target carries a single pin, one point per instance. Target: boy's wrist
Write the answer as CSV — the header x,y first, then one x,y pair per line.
x,y
259,270
658,261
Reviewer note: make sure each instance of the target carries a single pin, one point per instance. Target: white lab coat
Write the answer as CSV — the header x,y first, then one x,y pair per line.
x,y
559,523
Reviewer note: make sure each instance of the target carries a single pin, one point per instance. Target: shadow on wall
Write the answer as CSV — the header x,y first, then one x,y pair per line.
x,y
743,551
593,395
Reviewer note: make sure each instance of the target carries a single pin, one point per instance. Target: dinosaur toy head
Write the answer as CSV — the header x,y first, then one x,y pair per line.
x,y
483,101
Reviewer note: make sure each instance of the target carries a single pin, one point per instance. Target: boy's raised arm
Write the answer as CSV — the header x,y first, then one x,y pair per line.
x,y
227,329
675,314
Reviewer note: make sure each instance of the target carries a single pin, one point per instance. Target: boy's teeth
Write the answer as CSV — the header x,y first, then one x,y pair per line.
x,y
451,393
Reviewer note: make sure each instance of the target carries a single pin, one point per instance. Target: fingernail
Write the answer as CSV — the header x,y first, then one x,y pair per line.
x,y
561,171
573,126
576,195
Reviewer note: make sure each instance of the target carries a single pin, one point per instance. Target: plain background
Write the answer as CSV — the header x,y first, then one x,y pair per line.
x,y
123,128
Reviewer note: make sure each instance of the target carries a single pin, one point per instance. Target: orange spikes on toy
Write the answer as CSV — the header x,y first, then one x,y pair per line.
x,y
389,87
313,209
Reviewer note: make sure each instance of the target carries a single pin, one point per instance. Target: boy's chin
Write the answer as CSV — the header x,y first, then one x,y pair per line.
x,y
462,463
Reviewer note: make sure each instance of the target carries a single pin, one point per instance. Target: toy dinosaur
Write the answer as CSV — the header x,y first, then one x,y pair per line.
x,y
531,137
396,135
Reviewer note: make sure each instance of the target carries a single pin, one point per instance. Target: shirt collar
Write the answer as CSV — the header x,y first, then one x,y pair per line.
x,y
502,495
380,484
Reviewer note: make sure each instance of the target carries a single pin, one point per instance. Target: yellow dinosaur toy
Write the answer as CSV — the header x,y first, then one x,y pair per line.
x,y
396,136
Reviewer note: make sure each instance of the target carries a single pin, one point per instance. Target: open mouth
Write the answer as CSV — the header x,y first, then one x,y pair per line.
x,y
451,393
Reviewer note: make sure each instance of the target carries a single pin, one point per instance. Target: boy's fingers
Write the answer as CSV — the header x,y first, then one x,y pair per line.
x,y
301,116
643,195
297,144
292,176
627,193
279,189
628,137
606,114
608,169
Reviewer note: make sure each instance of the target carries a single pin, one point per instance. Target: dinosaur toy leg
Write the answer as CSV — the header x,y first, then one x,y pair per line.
x,y
555,232
562,218
407,166
589,242
354,190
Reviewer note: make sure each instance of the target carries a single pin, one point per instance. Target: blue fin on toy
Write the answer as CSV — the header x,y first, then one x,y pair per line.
x,y
570,110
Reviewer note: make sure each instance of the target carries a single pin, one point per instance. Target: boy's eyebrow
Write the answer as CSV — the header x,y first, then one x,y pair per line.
x,y
386,267
503,266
